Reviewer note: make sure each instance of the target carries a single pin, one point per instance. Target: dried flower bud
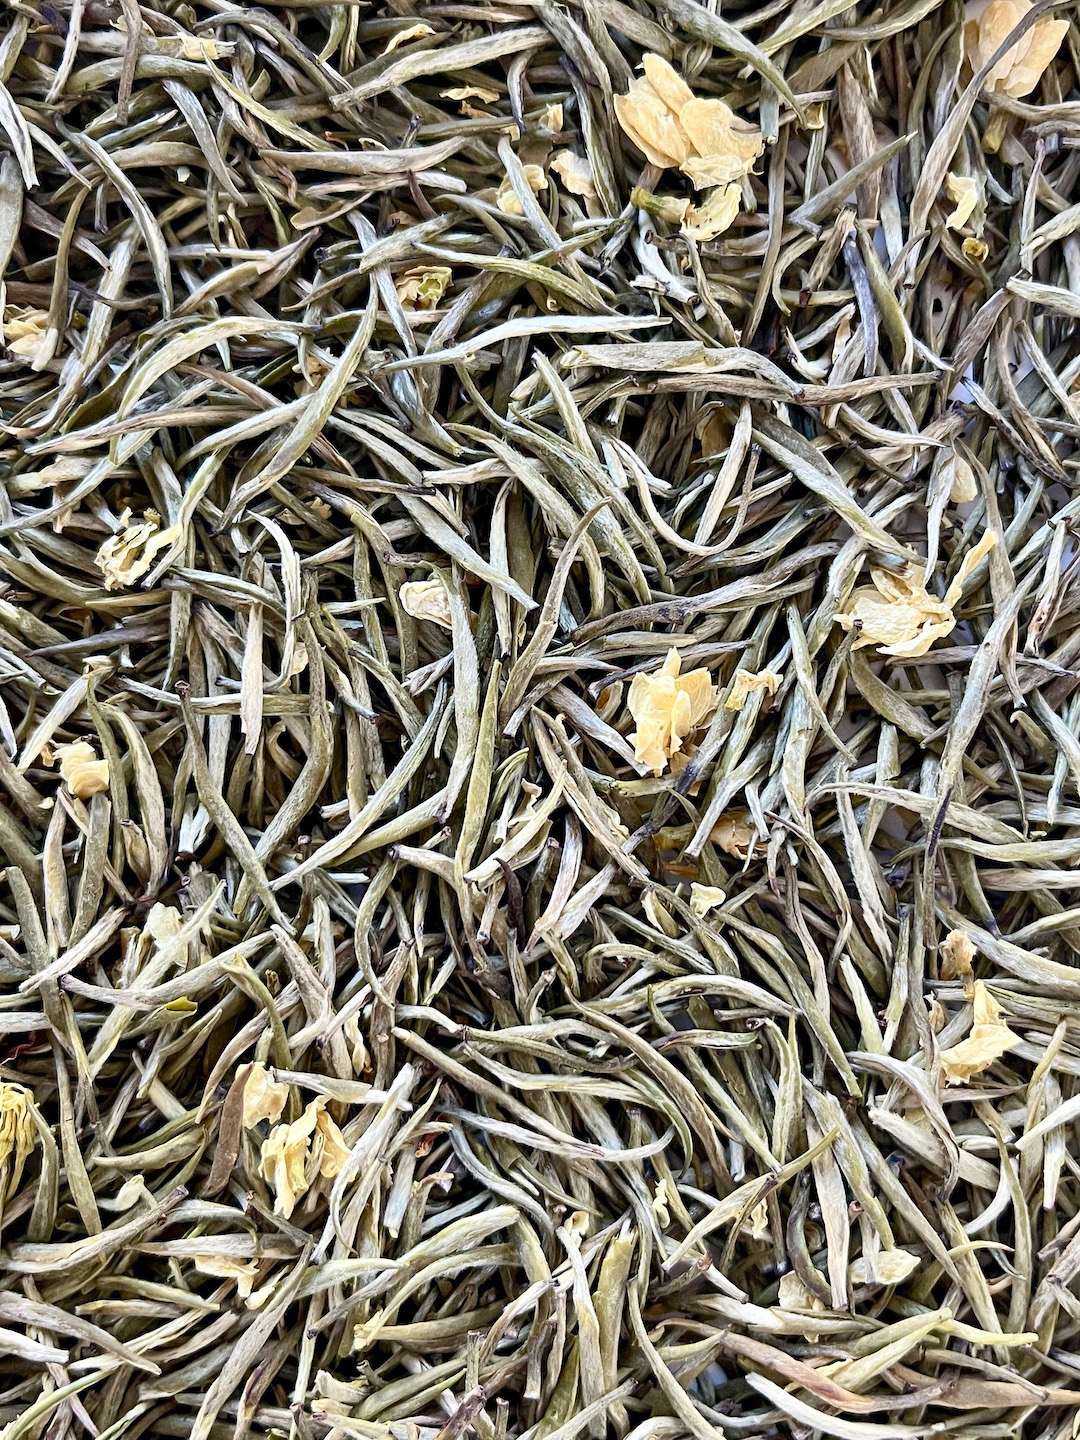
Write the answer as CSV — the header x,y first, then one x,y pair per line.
x,y
402,37
899,615
988,23
667,707
17,1134
426,600
746,682
704,139
422,287
963,191
264,1098
26,334
85,774
126,556
990,1038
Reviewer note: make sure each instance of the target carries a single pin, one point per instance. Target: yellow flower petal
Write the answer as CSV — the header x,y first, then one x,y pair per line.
x,y
990,1038
264,1098
676,129
470,92
575,174
957,953
412,32
426,600
988,25
963,191
888,1267
422,287
746,682
85,774
223,1267
667,707
899,615
704,898
17,1134
715,215
126,556
507,199
735,835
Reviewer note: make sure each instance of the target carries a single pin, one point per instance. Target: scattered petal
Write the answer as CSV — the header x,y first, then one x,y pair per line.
x,y
963,191
887,1267
411,32
575,174
704,898
264,1098
746,682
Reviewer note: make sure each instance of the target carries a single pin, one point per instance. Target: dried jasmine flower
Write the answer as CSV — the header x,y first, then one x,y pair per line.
x,y
988,23
422,287
963,191
426,600
126,556
86,775
899,615
704,139
704,898
746,682
668,707
17,1134
264,1098
575,172
990,1038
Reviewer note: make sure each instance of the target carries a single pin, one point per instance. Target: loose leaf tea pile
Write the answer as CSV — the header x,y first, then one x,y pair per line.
x,y
539,725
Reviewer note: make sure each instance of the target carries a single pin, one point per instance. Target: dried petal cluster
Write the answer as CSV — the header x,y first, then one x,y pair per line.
x,y
704,138
426,600
86,775
16,1134
989,23
26,333
746,682
423,286
294,1155
667,707
899,615
126,556
989,1039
